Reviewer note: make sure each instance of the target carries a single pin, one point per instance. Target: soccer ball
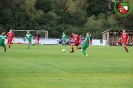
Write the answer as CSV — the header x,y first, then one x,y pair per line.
x,y
63,50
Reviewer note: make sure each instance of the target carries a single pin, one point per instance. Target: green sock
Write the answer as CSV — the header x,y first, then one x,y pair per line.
x,y
5,49
28,46
83,51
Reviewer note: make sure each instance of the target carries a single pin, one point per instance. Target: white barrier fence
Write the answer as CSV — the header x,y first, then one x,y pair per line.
x,y
98,42
42,41
51,41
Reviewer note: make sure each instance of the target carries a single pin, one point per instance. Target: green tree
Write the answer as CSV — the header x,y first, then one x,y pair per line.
x,y
97,6
97,24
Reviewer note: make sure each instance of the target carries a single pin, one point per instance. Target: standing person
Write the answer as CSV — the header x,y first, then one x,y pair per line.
x,y
29,38
64,39
37,37
85,44
2,40
90,40
124,39
10,36
76,39
101,41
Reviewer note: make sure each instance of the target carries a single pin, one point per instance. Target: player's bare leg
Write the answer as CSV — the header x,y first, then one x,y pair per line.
x,y
28,45
125,47
79,47
9,45
72,47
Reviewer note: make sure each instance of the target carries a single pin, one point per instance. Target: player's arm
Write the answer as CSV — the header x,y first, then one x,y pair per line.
x,y
25,37
84,41
127,38
62,37
6,37
13,36
120,37
7,34
80,39
32,37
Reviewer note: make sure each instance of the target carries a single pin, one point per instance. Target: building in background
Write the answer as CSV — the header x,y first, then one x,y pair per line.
x,y
112,36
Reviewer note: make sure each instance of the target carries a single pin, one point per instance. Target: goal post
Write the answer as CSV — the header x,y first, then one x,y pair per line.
x,y
21,33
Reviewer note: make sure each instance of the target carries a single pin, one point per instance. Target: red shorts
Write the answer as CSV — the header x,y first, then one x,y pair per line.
x,y
91,42
76,43
9,41
37,39
124,42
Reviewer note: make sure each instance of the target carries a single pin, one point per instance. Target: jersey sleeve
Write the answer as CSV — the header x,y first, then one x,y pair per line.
x,y
6,37
7,34
13,35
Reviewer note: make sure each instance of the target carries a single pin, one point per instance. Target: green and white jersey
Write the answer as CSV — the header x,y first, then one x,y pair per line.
x,y
64,37
87,40
2,39
28,36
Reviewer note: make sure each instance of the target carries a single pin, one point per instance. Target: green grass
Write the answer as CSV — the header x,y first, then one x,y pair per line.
x,y
45,66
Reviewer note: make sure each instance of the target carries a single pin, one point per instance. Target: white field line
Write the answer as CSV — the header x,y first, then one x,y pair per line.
x,y
36,65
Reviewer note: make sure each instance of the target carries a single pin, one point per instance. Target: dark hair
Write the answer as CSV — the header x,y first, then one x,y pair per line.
x,y
2,31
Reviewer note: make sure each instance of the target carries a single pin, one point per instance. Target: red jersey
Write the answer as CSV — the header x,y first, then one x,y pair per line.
x,y
124,36
76,38
10,35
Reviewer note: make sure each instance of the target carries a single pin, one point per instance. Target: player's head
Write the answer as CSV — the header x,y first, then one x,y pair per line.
x,y
37,31
28,32
3,32
10,30
88,33
73,33
124,31
63,33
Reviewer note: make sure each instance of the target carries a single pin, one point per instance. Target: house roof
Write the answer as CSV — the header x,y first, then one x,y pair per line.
x,y
129,31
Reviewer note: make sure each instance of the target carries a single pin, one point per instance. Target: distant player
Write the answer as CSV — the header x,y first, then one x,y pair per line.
x,y
29,38
76,43
124,39
90,39
37,37
2,40
64,39
10,36
85,44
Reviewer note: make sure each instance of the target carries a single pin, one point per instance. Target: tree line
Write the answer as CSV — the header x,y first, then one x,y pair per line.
x,y
57,16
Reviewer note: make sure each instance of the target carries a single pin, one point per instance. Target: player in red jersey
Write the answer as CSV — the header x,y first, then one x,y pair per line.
x,y
124,39
90,40
37,37
76,39
10,36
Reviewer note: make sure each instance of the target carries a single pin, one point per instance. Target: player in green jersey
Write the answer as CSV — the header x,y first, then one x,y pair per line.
x,y
85,44
64,39
29,38
2,40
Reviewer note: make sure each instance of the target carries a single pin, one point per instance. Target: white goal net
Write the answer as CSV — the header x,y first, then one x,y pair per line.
x,y
20,36
22,33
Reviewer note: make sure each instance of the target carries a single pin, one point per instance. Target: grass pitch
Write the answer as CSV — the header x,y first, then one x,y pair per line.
x,y
45,66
